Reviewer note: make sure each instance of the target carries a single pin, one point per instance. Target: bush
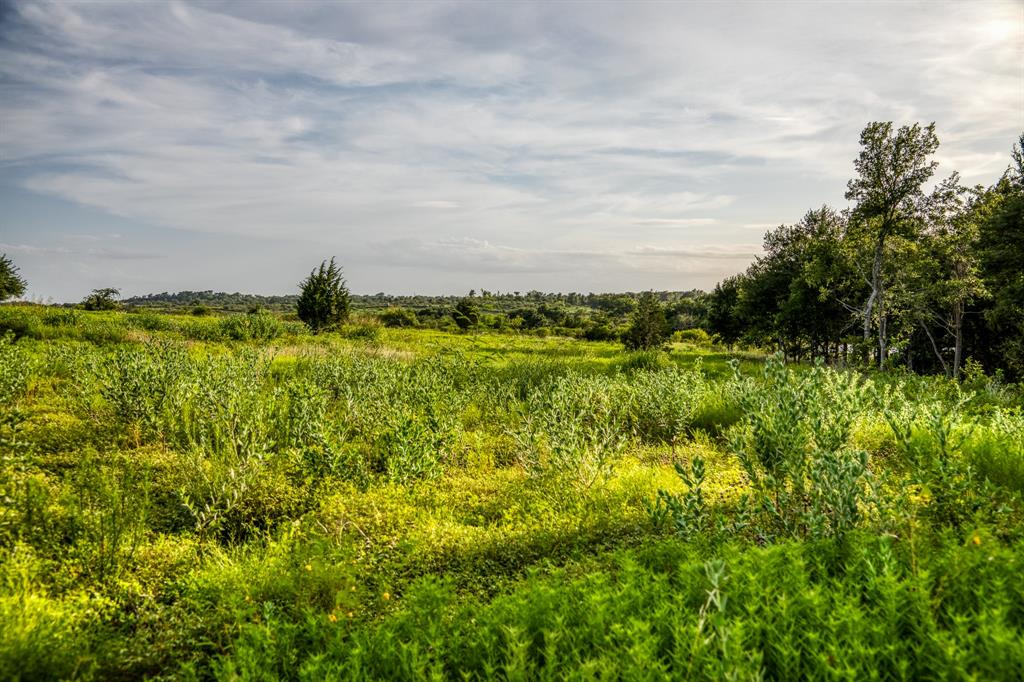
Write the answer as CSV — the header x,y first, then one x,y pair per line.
x,y
398,317
20,322
61,317
697,337
324,300
367,331
466,313
259,326
648,327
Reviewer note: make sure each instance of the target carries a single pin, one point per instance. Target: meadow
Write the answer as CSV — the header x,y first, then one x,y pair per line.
x,y
230,497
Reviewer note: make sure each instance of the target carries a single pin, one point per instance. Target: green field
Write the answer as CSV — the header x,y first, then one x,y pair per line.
x,y
230,497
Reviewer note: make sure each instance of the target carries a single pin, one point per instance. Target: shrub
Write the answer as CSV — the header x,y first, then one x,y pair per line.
x,y
324,301
259,326
20,322
367,331
466,313
149,321
398,317
793,444
61,317
696,336
648,327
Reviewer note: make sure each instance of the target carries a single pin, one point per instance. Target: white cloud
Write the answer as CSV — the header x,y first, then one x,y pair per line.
x,y
557,131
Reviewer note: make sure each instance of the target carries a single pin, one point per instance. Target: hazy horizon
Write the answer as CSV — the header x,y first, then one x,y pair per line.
x,y
435,148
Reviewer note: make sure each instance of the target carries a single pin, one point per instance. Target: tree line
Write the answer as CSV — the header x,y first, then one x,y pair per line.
x,y
908,276
918,273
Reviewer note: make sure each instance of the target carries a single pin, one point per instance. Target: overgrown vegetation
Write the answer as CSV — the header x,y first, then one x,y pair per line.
x,y
232,497
906,277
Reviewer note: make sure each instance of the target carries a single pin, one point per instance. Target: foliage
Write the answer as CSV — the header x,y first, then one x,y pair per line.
x,y
12,284
466,314
178,503
101,299
324,300
648,327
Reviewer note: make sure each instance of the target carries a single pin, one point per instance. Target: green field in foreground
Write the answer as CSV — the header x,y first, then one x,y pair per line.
x,y
233,498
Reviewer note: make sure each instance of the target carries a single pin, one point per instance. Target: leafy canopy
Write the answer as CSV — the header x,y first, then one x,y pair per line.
x,y
102,299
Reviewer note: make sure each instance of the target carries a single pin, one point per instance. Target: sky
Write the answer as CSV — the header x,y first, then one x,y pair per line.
x,y
438,147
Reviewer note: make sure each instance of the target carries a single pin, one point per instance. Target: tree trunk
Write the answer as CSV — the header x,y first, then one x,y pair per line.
x,y
958,332
935,347
876,298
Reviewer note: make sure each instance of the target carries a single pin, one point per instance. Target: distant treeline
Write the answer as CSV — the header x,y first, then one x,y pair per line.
x,y
590,316
932,281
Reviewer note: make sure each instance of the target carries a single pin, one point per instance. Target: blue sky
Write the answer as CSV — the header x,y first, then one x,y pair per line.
x,y
439,147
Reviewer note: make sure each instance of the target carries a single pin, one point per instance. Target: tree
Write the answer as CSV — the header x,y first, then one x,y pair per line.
x,y
324,299
12,285
891,169
466,314
1002,261
102,299
723,315
951,279
648,327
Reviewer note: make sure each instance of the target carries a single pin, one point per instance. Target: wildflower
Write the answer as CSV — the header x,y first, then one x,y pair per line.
x,y
333,618
387,596
350,614
309,567
976,539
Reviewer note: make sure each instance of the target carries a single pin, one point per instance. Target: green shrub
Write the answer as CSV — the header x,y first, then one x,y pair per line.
x,y
696,336
149,321
257,326
20,322
367,331
996,449
398,317
61,317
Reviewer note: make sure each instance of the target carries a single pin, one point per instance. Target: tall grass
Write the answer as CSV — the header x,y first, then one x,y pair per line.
x,y
228,497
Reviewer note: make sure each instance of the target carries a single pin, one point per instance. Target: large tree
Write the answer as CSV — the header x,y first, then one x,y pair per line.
x,y
891,169
12,284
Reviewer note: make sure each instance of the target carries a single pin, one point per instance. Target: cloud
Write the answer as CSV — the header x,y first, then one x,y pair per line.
x,y
674,222
474,255
436,203
342,125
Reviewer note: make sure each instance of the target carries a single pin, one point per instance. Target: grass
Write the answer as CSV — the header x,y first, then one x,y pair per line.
x,y
200,498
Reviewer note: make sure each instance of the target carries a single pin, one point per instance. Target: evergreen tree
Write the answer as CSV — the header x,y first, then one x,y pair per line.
x,y
466,314
648,327
12,284
324,301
